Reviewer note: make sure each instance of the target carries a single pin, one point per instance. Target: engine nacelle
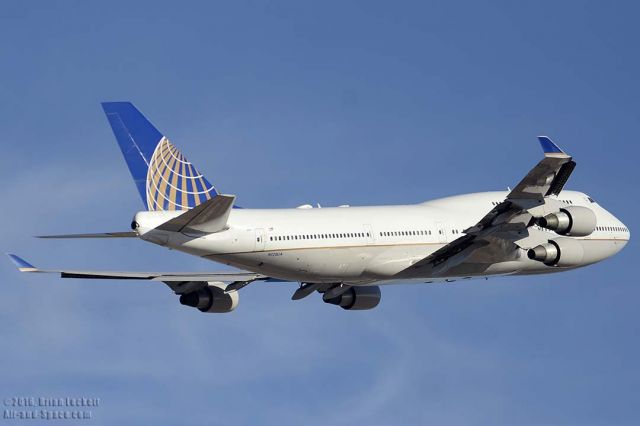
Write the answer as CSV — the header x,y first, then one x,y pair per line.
x,y
576,221
211,299
558,252
357,298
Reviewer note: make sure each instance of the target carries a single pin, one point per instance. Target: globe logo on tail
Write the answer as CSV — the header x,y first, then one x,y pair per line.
x,y
173,183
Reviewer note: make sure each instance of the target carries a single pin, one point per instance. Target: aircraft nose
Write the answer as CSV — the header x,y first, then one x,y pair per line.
x,y
623,240
628,231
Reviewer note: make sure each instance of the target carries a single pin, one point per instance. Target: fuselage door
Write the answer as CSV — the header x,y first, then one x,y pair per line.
x,y
260,239
441,232
368,233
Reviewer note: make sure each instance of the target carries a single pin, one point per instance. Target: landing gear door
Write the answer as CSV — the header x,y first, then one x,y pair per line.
x,y
259,239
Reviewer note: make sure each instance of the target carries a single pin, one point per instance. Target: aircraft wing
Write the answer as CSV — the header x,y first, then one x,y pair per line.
x,y
497,231
180,282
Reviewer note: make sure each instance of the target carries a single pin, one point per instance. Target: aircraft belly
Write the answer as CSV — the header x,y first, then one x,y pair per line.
x,y
377,262
335,264
393,260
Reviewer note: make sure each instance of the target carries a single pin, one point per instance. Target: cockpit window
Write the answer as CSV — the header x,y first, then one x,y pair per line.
x,y
591,200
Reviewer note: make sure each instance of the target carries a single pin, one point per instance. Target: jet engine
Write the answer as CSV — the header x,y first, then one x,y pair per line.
x,y
356,298
211,299
558,252
575,221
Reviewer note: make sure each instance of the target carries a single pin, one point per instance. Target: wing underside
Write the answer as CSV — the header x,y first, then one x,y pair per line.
x,y
175,280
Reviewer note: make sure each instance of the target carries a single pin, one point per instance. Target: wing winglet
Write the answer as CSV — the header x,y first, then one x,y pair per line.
x,y
549,147
21,264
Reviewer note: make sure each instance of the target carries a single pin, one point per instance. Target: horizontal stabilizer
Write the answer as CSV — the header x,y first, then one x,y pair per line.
x,y
210,216
125,234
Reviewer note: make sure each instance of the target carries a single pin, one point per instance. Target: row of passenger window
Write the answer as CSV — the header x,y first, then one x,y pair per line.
x,y
319,236
398,234
495,203
410,233
403,233
612,228
598,228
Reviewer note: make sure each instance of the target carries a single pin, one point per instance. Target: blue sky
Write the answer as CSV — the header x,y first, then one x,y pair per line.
x,y
287,103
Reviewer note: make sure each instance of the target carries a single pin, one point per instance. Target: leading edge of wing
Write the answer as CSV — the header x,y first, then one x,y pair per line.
x,y
24,266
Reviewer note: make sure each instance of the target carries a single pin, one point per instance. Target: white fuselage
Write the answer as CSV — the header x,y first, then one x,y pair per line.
x,y
377,244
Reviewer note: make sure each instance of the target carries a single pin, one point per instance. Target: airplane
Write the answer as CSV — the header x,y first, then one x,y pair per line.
x,y
346,253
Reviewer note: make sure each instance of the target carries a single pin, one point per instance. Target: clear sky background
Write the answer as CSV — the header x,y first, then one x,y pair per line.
x,y
287,103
